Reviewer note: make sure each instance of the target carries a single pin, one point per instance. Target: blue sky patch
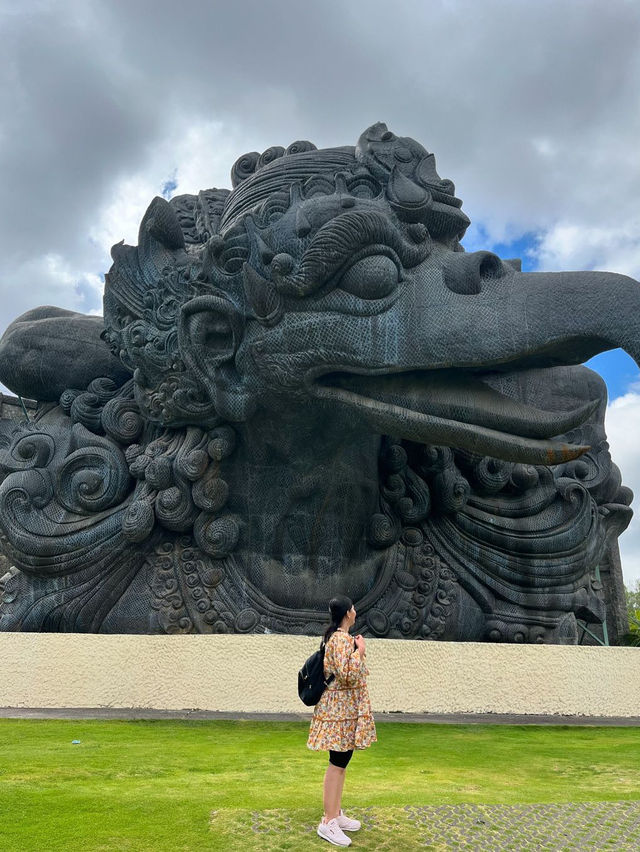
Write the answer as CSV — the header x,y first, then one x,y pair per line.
x,y
618,370
522,246
169,186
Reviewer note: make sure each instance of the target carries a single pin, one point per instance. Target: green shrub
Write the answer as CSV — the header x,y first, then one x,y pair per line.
x,y
632,637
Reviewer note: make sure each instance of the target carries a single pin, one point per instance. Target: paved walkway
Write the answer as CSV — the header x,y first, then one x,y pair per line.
x,y
584,826
443,719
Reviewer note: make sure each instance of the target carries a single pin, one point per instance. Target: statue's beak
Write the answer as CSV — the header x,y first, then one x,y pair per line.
x,y
478,318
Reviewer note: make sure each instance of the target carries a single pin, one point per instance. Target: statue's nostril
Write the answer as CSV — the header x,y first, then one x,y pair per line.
x,y
464,273
490,265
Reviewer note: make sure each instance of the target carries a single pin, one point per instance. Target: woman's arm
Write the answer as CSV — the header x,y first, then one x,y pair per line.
x,y
348,661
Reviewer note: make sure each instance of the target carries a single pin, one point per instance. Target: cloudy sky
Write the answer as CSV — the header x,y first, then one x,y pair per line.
x,y
532,108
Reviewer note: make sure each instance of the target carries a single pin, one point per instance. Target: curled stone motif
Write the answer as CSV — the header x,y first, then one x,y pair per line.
x,y
138,521
271,154
210,493
416,504
395,458
491,475
216,536
451,490
67,399
300,147
383,530
394,488
103,389
32,450
87,409
157,472
138,463
92,479
121,420
193,464
175,509
222,442
244,167
34,489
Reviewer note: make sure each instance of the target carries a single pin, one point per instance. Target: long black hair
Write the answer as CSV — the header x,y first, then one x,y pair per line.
x,y
338,608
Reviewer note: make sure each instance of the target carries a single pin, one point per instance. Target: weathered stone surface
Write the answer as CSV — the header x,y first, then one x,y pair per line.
x,y
322,392
47,350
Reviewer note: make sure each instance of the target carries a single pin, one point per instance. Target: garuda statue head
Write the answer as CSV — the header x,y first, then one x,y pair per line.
x,y
313,388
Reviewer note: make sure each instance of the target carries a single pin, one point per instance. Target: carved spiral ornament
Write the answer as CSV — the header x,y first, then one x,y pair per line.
x,y
300,147
175,509
383,530
34,450
192,464
210,493
222,442
216,536
121,420
92,479
87,410
138,521
244,167
271,154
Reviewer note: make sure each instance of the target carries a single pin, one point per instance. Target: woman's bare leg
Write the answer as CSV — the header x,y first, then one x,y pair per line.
x,y
333,784
342,777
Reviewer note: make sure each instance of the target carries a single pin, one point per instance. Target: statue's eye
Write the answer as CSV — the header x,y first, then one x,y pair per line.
x,y
371,278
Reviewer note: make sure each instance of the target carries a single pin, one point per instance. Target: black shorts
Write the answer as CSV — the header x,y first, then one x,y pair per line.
x,y
340,758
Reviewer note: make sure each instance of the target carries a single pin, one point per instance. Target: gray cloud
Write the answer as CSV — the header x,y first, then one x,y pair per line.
x,y
524,104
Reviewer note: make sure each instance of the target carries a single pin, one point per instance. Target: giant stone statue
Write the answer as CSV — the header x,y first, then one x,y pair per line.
x,y
305,386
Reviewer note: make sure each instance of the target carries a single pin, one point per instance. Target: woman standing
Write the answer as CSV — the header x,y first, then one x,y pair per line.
x,y
342,719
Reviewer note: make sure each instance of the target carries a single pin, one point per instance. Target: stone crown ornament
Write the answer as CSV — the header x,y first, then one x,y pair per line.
x,y
304,386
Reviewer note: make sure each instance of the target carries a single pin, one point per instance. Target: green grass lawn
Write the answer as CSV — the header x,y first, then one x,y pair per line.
x,y
174,785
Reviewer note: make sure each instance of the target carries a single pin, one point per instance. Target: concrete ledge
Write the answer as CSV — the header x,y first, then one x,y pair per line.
x,y
258,674
136,714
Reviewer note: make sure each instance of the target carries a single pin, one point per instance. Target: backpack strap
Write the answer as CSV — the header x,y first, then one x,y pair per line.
x,y
323,645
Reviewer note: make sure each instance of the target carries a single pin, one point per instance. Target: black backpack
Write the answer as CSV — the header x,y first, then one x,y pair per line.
x,y
311,682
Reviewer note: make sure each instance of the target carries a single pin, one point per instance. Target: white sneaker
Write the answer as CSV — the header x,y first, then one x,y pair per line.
x,y
332,832
348,824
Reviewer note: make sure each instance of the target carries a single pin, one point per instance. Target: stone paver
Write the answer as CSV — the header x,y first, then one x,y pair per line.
x,y
584,826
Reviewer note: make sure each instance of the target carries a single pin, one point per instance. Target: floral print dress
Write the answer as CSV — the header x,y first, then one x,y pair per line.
x,y
342,719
